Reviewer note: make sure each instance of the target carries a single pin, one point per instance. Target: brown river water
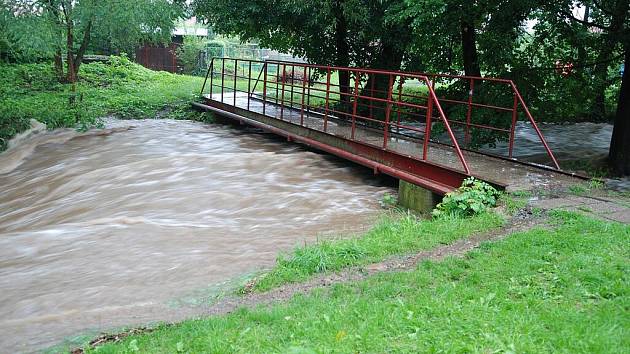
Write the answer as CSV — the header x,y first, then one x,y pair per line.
x,y
137,223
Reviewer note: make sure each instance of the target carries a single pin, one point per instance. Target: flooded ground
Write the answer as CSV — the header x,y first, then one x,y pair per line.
x,y
119,228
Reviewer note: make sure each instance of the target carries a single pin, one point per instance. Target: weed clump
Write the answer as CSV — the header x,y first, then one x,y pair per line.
x,y
472,198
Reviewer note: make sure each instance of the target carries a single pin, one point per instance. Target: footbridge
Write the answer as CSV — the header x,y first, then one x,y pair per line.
x,y
423,129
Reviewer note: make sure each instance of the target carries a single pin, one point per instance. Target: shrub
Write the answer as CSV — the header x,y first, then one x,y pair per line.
x,y
473,197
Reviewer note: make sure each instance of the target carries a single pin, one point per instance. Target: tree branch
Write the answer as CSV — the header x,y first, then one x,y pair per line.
x,y
599,5
84,43
586,23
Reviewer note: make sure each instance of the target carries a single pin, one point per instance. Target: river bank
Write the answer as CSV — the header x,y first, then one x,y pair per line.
x,y
118,88
546,282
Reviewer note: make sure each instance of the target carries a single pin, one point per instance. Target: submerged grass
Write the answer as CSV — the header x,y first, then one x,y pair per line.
x,y
545,290
394,234
119,87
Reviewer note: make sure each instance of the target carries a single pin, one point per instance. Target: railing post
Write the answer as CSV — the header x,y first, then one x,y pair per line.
x,y
388,109
222,77
211,77
372,95
264,87
206,80
303,91
284,68
400,88
427,128
469,112
357,77
235,76
277,77
533,122
292,76
442,115
327,98
308,93
249,83
513,127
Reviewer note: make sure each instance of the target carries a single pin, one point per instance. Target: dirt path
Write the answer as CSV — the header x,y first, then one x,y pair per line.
x,y
524,220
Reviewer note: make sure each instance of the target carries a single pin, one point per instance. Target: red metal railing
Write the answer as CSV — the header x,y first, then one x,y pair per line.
x,y
381,102
505,88
312,91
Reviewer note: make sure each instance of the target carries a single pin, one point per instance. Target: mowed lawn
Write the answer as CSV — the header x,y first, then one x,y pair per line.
x,y
559,288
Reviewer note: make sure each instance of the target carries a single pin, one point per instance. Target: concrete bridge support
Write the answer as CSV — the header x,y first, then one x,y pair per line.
x,y
417,198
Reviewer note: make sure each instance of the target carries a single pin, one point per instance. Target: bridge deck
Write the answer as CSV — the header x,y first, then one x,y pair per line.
x,y
511,174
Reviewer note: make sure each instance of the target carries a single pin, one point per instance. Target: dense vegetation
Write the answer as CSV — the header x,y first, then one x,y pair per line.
x,y
558,289
119,87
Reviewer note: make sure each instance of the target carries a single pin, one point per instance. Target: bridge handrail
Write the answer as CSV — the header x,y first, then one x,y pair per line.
x,y
433,102
387,125
518,100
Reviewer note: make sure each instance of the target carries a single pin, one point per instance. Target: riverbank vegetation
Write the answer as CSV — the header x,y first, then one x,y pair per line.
x,y
118,87
561,287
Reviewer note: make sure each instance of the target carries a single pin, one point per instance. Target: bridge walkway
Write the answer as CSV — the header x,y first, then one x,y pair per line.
x,y
399,146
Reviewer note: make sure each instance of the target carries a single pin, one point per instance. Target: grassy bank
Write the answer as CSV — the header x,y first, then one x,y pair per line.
x,y
120,88
564,289
391,236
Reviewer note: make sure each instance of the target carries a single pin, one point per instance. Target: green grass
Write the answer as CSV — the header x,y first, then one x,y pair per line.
x,y
391,236
120,88
542,291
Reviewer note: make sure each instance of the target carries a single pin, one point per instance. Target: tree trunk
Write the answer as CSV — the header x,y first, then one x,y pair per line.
x,y
377,85
343,56
59,65
469,49
71,77
619,14
619,154
600,81
84,43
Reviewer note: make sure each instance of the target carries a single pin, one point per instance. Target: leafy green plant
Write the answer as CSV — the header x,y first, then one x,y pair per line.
x,y
473,197
388,200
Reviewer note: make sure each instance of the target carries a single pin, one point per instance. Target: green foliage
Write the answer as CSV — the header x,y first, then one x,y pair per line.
x,y
548,290
389,200
473,197
119,87
189,55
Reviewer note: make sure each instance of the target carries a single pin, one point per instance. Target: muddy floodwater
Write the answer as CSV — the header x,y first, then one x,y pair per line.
x,y
134,225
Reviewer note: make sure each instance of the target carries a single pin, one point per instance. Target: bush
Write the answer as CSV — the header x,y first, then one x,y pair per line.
x,y
473,197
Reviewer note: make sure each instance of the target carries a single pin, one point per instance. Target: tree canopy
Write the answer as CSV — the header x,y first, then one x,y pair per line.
x,y
52,28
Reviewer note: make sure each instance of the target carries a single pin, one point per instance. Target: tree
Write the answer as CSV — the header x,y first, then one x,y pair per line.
x,y
365,33
610,18
72,23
